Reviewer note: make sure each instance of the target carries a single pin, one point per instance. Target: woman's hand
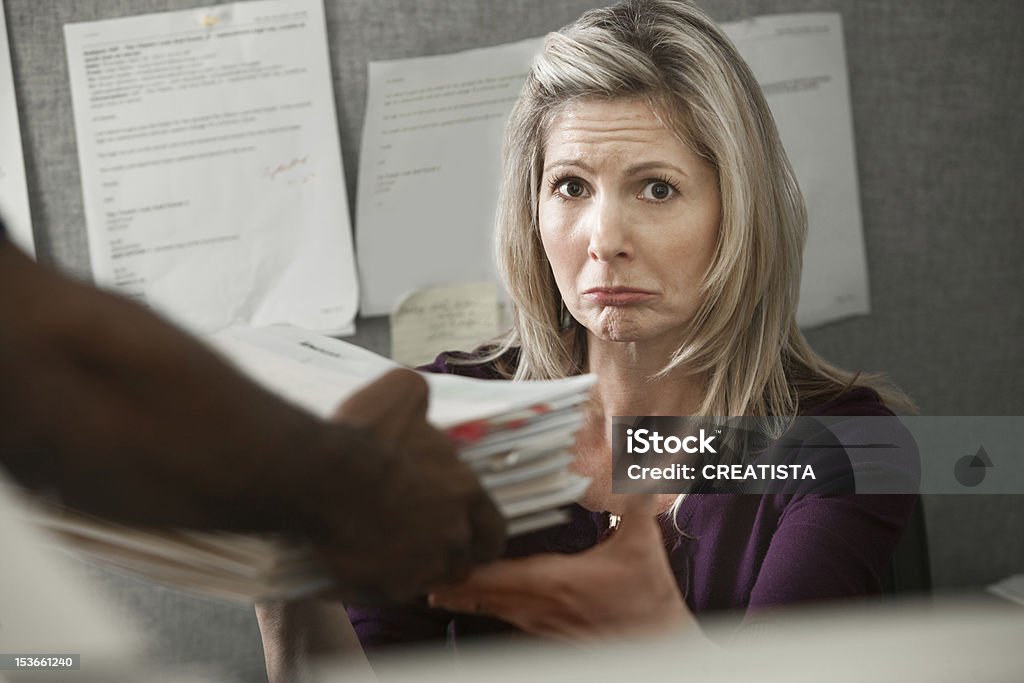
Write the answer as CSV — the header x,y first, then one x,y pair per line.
x,y
623,586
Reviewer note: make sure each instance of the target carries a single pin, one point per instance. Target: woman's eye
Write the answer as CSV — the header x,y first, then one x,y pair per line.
x,y
657,190
572,187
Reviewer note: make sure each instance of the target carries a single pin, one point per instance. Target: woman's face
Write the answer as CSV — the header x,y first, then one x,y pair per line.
x,y
629,219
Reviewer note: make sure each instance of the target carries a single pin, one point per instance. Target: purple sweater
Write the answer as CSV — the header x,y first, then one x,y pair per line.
x,y
746,553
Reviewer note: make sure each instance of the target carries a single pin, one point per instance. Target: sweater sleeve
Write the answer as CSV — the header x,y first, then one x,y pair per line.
x,y
409,624
830,547
835,541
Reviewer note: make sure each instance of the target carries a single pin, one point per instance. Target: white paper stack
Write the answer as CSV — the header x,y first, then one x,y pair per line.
x,y
522,460
515,435
236,567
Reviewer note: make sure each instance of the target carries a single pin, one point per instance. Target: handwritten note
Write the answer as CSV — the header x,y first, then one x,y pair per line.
x,y
443,319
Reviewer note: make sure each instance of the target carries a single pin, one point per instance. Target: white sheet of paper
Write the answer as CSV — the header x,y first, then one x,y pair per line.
x,y
443,318
912,641
44,608
13,187
429,169
211,166
317,373
800,63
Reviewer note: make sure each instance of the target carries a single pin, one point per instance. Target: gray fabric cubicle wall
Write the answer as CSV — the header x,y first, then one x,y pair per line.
x,y
937,101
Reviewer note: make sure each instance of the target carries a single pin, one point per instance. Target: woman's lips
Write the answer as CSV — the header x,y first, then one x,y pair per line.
x,y
617,296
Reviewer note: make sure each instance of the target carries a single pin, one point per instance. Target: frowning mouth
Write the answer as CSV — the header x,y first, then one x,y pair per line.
x,y
617,296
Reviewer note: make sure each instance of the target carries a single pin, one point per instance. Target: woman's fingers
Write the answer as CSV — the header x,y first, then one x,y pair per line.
x,y
509,590
624,585
504,577
503,588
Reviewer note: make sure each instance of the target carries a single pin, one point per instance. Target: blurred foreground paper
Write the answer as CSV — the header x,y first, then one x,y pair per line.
x,y
48,610
516,436
43,608
904,641
443,318
211,166
13,187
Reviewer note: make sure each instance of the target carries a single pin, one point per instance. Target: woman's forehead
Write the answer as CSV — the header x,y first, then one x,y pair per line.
x,y
620,116
613,130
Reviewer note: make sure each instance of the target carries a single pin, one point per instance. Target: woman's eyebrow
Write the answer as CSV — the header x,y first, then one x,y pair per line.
x,y
647,166
635,169
569,163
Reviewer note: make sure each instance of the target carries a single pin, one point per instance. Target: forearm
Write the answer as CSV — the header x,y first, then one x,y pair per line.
x,y
125,416
297,633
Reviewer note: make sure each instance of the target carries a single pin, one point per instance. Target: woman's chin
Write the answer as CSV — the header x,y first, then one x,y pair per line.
x,y
617,328
618,325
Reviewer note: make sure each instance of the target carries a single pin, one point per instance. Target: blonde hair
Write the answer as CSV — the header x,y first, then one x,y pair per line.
x,y
744,338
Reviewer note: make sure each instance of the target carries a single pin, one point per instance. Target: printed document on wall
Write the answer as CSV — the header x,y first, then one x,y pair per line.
x,y
799,61
13,185
211,165
429,169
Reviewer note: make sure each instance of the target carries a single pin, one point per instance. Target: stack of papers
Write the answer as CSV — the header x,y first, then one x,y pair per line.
x,y
235,567
515,435
522,459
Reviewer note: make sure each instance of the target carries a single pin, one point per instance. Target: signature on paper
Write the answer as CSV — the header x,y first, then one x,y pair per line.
x,y
272,172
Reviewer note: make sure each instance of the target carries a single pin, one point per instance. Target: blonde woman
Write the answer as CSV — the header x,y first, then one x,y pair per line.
x,y
650,231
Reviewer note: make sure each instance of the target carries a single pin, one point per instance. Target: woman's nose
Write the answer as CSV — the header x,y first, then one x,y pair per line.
x,y
609,232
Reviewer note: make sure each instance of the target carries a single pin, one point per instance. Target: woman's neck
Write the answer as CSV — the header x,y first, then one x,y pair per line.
x,y
628,382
